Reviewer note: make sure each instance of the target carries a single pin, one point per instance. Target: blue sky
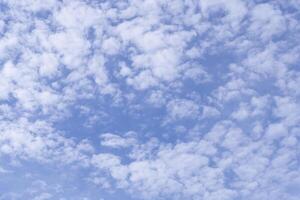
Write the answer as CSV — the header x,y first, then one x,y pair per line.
x,y
149,100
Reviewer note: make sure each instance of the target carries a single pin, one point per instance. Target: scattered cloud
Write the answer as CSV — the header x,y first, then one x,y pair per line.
x,y
149,99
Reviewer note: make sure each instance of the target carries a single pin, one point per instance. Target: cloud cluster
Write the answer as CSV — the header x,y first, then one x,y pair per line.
x,y
150,99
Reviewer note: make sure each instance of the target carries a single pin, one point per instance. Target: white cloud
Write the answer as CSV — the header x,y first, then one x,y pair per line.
x,y
266,21
288,110
71,46
242,112
157,98
49,65
182,108
143,80
111,46
276,131
235,10
116,141
105,161
38,141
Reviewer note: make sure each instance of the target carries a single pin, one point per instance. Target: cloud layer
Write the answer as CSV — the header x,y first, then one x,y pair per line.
x,y
149,99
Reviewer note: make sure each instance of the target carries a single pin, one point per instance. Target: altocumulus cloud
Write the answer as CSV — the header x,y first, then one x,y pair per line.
x,y
148,99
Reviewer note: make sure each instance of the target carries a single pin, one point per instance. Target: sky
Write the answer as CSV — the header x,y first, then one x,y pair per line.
x,y
149,99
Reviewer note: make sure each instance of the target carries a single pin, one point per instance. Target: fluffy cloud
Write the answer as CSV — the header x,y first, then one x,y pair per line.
x,y
182,108
116,141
